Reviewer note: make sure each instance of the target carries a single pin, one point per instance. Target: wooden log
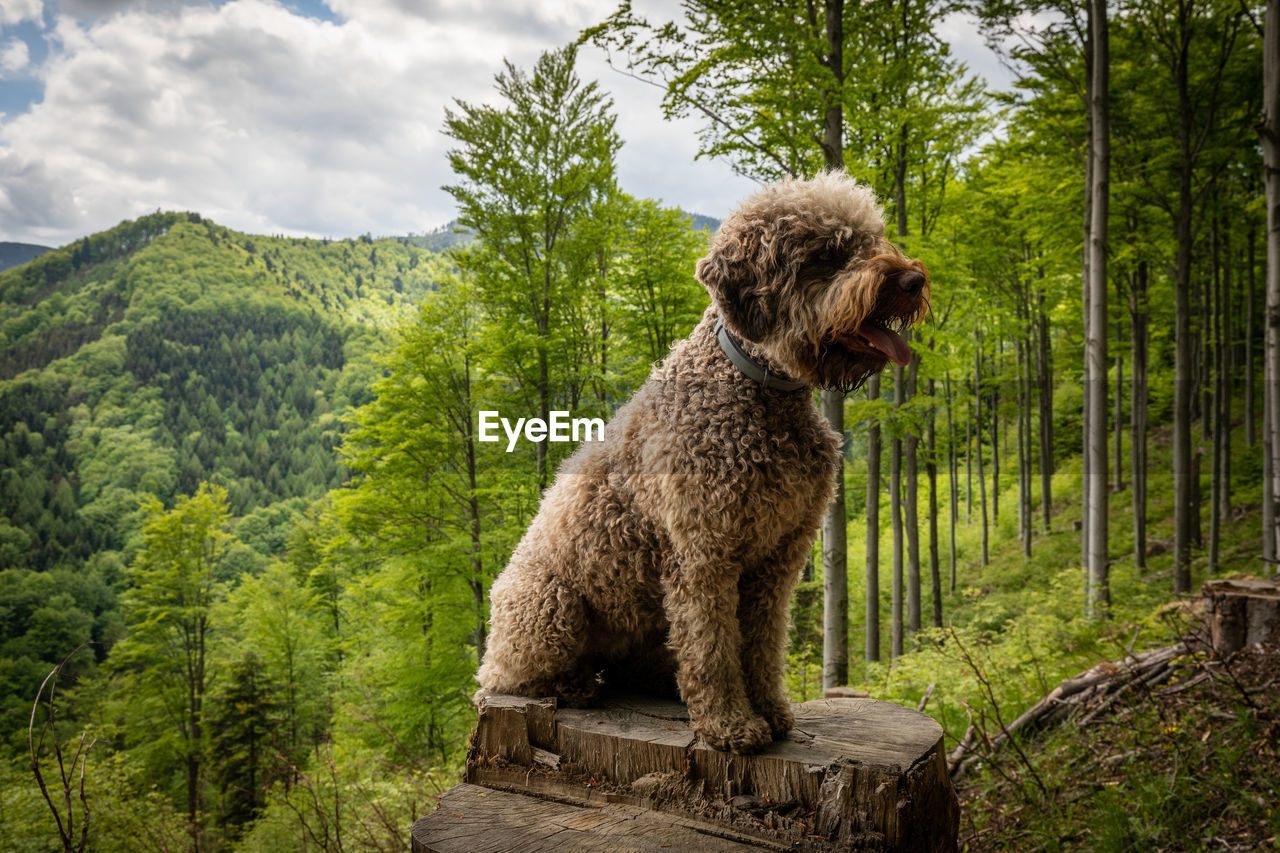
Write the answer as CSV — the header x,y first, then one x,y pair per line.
x,y
471,819
1241,612
853,773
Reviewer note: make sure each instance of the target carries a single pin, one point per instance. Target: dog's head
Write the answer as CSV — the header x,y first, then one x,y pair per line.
x,y
803,270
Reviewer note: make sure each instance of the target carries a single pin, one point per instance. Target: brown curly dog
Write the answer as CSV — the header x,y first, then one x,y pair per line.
x,y
671,547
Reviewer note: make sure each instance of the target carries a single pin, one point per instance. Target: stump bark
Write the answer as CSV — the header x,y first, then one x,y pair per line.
x,y
1241,612
854,774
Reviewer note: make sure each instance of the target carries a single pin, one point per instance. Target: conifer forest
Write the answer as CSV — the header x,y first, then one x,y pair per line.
x,y
248,526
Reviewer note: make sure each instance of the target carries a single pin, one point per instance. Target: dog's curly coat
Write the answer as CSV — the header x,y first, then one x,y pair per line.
x,y
686,529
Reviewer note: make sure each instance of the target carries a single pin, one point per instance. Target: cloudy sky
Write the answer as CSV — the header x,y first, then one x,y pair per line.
x,y
302,117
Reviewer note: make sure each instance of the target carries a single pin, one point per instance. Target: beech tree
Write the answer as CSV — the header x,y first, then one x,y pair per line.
x,y
530,177
1099,595
162,663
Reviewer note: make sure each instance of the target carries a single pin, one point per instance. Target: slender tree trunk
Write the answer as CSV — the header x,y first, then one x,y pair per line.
x,y
995,432
982,483
1117,427
1138,411
1099,191
931,467
1045,371
1086,295
1214,325
873,528
1208,293
1185,485
835,570
912,514
1250,430
968,463
895,511
1022,363
1228,366
1028,381
544,412
835,578
953,473
1269,556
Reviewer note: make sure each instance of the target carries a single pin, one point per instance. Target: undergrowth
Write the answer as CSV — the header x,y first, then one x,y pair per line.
x,y
1017,627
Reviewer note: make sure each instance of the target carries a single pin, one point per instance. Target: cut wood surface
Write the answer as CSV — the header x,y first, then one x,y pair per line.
x,y
852,774
1241,612
472,819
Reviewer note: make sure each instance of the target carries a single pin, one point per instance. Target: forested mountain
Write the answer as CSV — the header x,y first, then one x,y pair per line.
x,y
142,361
16,254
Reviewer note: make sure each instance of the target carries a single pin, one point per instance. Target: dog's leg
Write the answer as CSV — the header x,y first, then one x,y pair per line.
x,y
701,603
763,609
537,641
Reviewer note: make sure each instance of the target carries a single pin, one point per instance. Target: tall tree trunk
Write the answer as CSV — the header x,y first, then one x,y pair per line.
x,y
1269,132
1022,364
895,511
995,431
1138,410
1185,485
931,468
873,527
968,462
1044,369
1250,429
1117,426
835,570
953,473
1026,452
544,411
1096,357
1228,366
977,430
1214,325
912,523
1086,295
835,577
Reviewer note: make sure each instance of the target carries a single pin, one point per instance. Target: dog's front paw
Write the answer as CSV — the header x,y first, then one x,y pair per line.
x,y
734,733
778,715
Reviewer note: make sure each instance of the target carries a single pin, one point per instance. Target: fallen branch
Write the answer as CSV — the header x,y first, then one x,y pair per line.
x,y
1090,693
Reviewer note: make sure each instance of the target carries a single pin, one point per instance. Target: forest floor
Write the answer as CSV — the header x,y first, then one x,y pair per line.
x,y
1191,764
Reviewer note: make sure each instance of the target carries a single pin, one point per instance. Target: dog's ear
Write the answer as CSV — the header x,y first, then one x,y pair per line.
x,y
731,274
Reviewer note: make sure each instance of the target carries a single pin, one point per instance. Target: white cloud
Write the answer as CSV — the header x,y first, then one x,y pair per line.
x,y
17,11
14,56
271,121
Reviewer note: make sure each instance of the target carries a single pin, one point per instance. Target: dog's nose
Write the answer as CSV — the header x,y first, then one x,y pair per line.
x,y
911,282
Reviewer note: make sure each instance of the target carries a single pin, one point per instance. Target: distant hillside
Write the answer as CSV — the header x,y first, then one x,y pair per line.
x,y
17,254
151,357
697,221
452,234
445,237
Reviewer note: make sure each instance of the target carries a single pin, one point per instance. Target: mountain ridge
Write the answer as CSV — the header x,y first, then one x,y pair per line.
x,y
16,254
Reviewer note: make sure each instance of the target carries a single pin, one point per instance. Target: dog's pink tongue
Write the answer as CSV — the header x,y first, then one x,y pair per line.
x,y
890,343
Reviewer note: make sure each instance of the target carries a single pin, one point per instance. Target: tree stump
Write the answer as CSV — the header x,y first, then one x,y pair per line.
x,y
854,774
1241,612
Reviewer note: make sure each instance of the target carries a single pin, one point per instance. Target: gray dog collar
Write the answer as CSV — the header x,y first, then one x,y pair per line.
x,y
749,366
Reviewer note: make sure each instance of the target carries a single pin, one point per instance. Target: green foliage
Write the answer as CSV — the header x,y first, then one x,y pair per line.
x,y
162,665
535,183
